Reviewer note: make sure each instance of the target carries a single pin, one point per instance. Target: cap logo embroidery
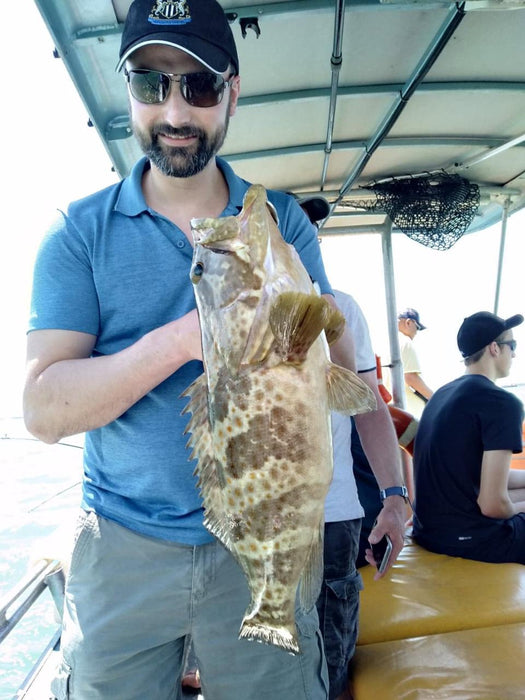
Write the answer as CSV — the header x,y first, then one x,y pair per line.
x,y
170,12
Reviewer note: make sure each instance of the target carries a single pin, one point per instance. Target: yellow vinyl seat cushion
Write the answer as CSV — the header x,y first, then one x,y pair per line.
x,y
426,593
475,664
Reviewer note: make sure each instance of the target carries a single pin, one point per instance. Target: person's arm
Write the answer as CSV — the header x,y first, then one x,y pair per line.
x,y
379,439
517,489
380,444
342,352
68,392
494,500
517,478
415,381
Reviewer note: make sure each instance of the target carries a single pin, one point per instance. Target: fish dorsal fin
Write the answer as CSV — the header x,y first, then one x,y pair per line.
x,y
347,393
296,320
200,442
312,577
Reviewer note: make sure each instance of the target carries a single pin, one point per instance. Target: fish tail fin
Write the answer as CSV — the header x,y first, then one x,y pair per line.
x,y
283,636
347,393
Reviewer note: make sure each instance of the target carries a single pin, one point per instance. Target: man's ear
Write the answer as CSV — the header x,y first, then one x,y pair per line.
x,y
494,349
234,94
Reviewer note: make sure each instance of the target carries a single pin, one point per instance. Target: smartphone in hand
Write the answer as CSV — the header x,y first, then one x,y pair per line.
x,y
382,551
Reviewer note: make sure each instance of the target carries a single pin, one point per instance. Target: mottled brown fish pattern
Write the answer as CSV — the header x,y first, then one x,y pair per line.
x,y
260,424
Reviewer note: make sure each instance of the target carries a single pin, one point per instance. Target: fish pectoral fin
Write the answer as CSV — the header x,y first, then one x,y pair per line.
x,y
347,393
312,577
296,320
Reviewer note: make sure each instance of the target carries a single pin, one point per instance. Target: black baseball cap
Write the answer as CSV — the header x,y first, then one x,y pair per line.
x,y
200,28
315,207
414,315
480,329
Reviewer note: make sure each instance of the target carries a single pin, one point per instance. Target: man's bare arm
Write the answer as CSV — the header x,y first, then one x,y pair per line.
x,y
377,433
380,444
416,382
68,392
494,500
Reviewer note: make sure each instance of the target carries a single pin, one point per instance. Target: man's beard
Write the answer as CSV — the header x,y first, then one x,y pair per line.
x,y
181,162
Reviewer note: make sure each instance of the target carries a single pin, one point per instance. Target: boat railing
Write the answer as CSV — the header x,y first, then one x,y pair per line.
x,y
14,605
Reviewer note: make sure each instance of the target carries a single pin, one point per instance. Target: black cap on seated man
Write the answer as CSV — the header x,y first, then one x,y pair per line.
x,y
481,329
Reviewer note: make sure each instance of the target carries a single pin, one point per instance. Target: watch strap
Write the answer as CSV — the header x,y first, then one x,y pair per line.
x,y
394,491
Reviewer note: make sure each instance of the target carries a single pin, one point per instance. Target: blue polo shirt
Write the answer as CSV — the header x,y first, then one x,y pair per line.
x,y
112,267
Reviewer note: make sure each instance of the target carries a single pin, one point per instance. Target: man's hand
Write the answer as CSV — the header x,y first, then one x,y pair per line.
x,y
392,522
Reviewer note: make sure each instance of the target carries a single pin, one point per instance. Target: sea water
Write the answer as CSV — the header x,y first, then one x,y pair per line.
x,y
39,501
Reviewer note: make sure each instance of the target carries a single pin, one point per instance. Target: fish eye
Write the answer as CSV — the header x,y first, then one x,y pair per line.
x,y
196,273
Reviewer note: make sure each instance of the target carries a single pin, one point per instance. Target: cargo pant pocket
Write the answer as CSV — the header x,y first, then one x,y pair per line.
x,y
311,658
341,618
60,683
86,528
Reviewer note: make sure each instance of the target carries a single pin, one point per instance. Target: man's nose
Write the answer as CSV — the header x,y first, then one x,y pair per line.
x,y
175,105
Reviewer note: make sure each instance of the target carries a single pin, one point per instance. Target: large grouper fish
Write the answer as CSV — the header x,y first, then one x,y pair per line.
x,y
260,424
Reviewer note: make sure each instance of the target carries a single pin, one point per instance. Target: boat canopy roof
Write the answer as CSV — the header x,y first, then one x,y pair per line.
x,y
337,97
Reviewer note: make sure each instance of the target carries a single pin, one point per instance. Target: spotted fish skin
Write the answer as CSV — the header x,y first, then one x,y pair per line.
x,y
260,424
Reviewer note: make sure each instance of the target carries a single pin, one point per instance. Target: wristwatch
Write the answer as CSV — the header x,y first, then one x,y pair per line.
x,y
394,491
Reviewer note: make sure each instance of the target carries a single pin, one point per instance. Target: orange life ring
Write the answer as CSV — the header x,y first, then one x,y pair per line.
x,y
385,394
406,427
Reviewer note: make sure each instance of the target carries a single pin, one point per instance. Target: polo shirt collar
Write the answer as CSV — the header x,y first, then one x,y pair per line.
x,y
131,202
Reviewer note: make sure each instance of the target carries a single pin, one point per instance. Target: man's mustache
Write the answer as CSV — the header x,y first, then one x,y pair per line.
x,y
173,132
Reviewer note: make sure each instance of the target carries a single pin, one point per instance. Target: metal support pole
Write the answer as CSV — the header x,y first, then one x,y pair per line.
x,y
335,62
56,582
396,370
504,218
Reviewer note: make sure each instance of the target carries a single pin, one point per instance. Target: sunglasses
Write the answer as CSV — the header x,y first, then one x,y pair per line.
x,y
513,344
152,87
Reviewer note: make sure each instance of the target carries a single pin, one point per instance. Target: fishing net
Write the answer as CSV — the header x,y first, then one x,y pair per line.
x,y
434,210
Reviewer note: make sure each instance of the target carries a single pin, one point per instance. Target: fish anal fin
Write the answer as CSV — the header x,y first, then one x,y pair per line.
x,y
296,320
347,393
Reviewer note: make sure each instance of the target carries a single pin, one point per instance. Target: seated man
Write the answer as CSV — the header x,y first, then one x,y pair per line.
x,y
468,501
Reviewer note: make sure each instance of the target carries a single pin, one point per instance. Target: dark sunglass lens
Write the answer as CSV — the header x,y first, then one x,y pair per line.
x,y
149,87
202,89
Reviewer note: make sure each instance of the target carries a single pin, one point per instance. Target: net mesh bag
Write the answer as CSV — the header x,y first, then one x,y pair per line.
x,y
434,210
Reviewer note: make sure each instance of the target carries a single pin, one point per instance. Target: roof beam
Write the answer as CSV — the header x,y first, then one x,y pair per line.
x,y
423,141
118,127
